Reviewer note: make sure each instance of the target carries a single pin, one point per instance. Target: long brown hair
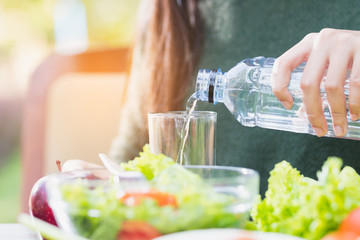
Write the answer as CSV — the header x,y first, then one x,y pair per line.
x,y
172,47
166,52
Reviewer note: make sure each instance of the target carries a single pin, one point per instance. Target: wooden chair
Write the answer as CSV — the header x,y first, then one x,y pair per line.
x,y
71,111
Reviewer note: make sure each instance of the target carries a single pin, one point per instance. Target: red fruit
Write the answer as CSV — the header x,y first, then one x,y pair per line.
x,y
137,230
38,203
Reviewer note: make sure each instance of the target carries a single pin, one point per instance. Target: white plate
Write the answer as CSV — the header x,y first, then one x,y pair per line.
x,y
226,234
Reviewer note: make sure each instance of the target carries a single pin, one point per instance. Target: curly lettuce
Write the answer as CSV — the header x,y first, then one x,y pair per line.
x,y
98,212
148,163
304,207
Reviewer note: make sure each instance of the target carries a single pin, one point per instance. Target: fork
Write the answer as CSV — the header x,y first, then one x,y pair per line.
x,y
130,181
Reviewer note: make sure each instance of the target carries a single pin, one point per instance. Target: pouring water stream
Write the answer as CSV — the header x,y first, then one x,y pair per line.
x,y
190,107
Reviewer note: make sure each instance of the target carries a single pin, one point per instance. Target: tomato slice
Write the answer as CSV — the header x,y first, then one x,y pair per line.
x,y
351,222
137,230
162,198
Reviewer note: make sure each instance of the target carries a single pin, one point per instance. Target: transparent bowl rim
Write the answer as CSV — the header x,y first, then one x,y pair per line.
x,y
245,175
182,114
242,170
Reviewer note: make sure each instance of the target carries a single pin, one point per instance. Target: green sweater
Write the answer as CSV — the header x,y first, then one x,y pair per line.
x,y
238,29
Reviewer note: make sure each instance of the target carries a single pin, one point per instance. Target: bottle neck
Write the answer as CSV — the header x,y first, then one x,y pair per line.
x,y
210,85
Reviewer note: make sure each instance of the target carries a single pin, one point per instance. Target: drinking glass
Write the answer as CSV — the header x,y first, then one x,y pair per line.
x,y
167,130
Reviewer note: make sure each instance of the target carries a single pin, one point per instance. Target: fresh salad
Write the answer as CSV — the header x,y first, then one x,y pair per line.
x,y
307,208
178,200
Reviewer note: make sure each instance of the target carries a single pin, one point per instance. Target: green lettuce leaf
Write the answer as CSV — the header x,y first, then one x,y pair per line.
x,y
98,212
304,207
148,163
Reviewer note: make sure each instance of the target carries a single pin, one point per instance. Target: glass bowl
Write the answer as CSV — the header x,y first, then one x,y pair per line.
x,y
96,205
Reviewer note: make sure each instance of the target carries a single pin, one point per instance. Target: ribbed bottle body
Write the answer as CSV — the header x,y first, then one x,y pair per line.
x,y
246,91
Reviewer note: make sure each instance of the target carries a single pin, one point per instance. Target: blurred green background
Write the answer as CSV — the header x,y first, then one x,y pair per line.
x,y
26,38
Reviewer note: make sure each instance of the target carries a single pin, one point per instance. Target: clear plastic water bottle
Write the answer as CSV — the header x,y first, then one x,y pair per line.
x,y
246,91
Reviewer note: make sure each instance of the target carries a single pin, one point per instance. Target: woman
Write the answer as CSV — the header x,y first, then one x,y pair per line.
x,y
167,56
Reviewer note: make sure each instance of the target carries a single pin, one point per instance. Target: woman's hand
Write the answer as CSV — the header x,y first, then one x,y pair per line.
x,y
335,51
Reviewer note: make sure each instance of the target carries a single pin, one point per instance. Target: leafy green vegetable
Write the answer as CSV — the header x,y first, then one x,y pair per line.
x,y
303,207
174,178
98,212
148,163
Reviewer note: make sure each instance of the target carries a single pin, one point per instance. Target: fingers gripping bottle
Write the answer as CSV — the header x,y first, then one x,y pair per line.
x,y
246,92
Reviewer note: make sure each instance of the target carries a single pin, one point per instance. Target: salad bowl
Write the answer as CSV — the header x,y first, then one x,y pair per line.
x,y
97,205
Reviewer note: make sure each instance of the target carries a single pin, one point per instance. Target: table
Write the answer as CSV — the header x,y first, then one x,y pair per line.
x,y
15,231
